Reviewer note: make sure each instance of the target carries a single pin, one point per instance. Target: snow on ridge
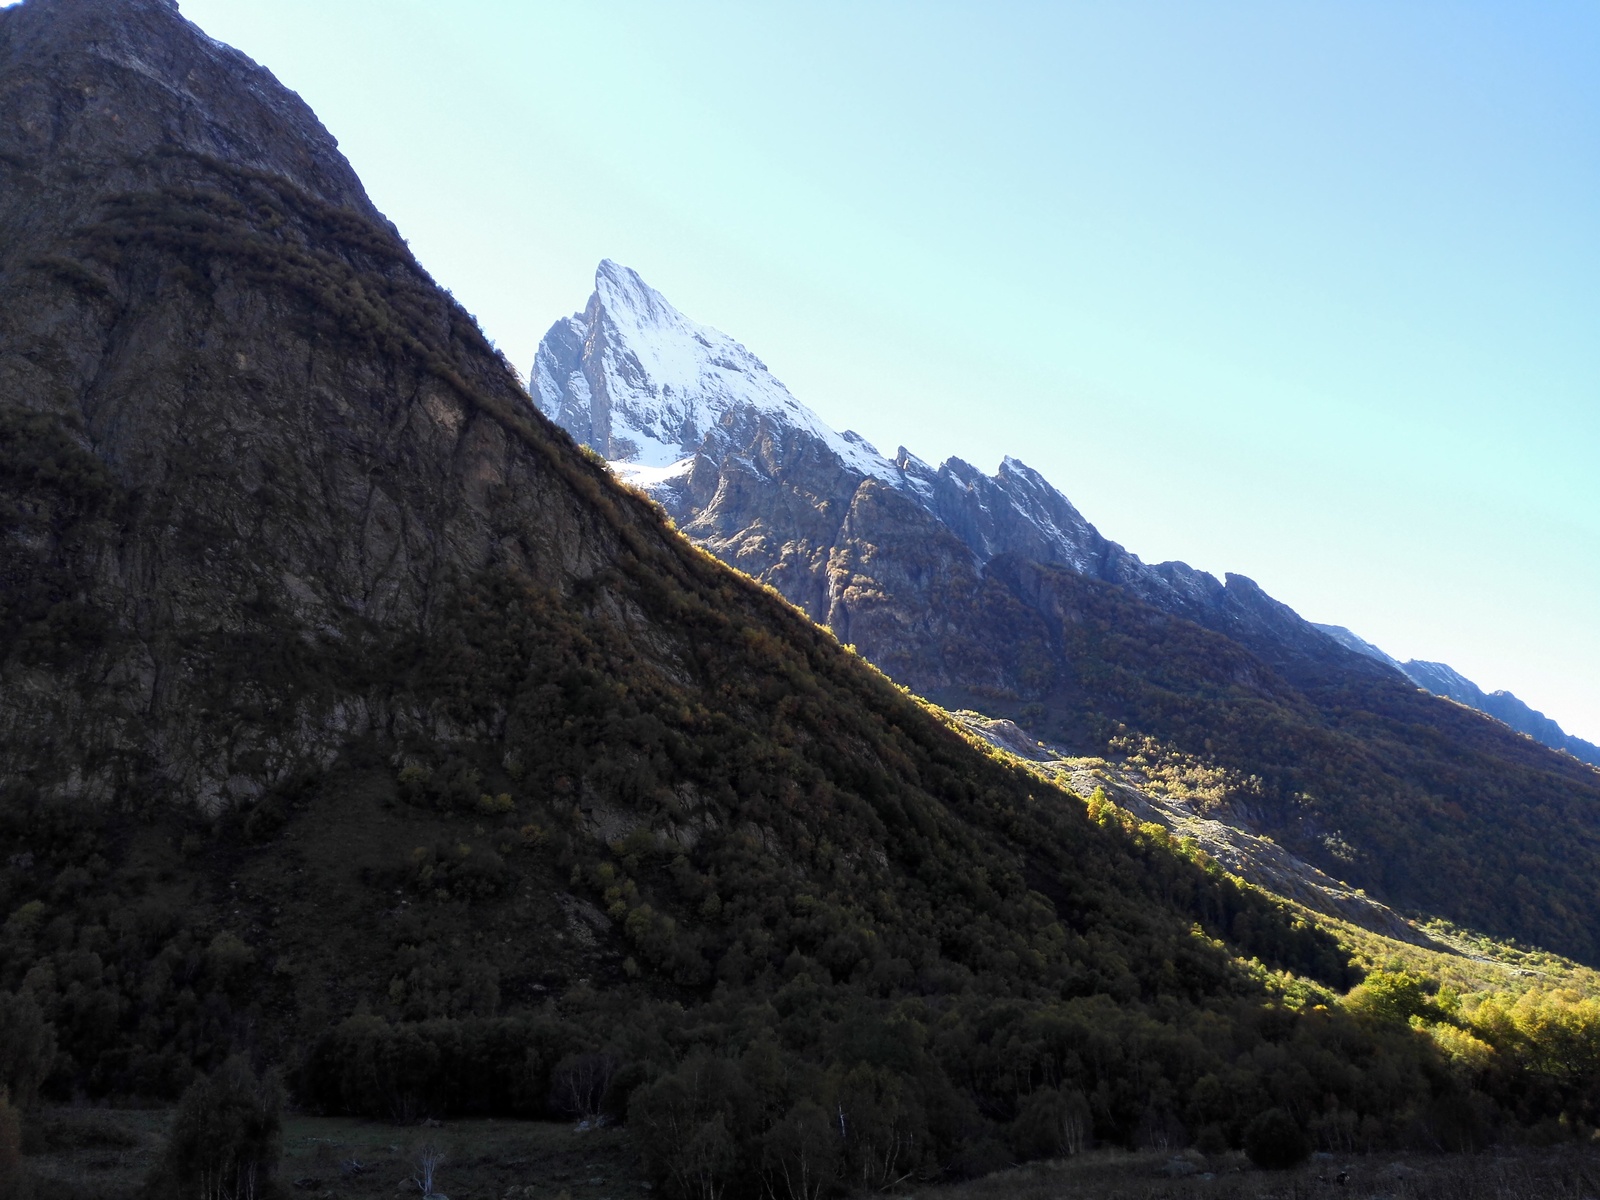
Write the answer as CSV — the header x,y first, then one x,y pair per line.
x,y
671,380
650,388
1442,676
651,478
1354,641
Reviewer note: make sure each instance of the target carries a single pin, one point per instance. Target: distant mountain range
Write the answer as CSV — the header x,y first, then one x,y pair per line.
x,y
993,593
694,417
688,413
1444,680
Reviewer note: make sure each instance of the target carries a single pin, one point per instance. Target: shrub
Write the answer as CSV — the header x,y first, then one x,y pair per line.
x,y
1211,1140
1390,997
1274,1141
579,1083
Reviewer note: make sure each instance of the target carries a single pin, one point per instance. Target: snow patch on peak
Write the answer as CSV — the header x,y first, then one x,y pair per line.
x,y
651,389
652,478
1015,466
648,386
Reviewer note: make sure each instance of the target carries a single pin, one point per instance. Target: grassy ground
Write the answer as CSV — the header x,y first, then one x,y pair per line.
x,y
92,1152
99,1154
1562,1174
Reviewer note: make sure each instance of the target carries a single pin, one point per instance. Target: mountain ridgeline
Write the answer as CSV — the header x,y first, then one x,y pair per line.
x,y
994,593
354,719
1443,680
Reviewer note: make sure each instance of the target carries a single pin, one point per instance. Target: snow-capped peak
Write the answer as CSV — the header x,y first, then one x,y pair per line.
x,y
647,387
651,389
673,351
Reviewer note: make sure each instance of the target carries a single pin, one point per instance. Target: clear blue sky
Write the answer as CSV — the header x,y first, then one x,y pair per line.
x,y
1309,292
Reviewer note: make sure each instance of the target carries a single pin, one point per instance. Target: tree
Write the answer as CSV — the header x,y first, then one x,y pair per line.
x,y
27,1049
426,1160
226,1138
578,1084
681,1121
1274,1141
1390,997
800,1154
883,1126
1052,1123
11,1180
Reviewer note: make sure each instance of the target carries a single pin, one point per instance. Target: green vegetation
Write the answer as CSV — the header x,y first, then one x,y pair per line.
x,y
11,1173
1274,1141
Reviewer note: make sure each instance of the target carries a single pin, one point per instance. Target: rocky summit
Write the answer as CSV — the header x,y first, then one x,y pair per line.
x,y
695,417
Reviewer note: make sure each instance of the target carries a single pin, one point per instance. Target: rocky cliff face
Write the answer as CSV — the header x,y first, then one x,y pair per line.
x,y
252,457
242,428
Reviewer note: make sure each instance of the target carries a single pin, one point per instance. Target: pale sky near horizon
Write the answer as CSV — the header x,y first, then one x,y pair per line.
x,y
1306,292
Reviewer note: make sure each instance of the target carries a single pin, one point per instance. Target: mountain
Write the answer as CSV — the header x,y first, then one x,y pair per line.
x,y
1445,681
355,722
353,719
692,415
993,593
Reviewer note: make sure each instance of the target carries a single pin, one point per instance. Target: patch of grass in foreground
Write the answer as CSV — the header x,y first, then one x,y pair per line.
x,y
105,1154
1560,1173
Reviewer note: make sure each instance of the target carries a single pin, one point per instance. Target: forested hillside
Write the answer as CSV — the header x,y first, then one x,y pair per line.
x,y
1429,805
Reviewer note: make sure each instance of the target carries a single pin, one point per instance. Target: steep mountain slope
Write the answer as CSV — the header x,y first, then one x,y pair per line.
x,y
350,716
1443,680
993,592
